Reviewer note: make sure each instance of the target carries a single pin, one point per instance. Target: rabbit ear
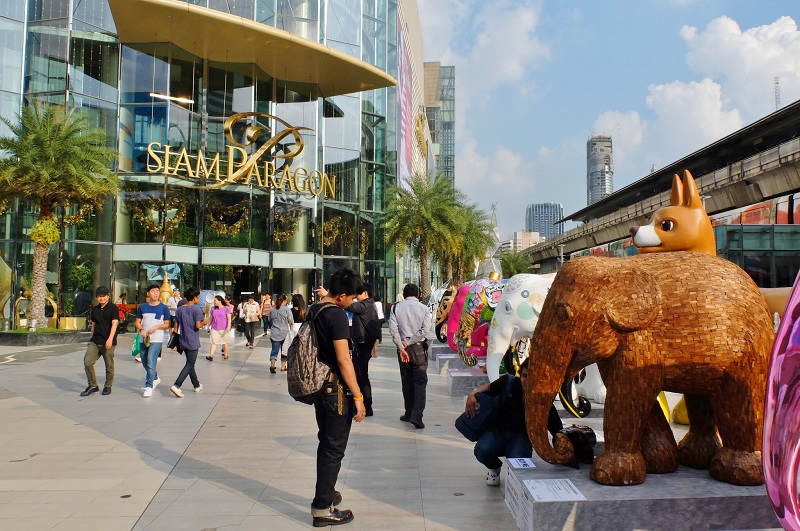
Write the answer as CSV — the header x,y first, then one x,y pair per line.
x,y
691,197
676,199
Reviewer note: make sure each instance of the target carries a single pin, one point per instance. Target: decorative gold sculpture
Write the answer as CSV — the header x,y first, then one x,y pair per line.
x,y
682,322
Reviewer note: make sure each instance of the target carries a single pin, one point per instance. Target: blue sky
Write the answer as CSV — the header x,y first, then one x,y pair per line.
x,y
666,77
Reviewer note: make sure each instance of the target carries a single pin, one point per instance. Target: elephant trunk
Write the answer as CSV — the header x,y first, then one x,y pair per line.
x,y
545,379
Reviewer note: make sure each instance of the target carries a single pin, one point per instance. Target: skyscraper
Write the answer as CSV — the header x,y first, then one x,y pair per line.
x,y
542,218
599,168
440,107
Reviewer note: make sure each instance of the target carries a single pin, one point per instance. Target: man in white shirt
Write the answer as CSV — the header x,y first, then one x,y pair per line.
x,y
172,302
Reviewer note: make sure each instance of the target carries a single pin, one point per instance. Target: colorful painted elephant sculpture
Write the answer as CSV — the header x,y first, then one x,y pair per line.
x,y
471,338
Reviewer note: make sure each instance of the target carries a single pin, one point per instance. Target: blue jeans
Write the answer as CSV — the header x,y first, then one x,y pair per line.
x,y
149,360
495,443
276,349
267,324
188,370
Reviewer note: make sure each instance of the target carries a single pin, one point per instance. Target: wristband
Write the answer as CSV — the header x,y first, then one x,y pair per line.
x,y
358,397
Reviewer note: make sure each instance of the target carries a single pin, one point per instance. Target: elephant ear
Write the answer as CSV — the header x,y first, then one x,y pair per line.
x,y
633,300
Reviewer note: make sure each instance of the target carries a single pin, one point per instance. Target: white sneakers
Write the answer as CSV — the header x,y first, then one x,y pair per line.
x,y
156,382
198,388
147,392
176,391
493,477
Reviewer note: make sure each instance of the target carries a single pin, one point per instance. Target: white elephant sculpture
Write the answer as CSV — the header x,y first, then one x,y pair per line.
x,y
515,318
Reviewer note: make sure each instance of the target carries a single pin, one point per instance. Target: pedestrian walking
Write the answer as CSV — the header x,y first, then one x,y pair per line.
x,y
282,322
252,315
189,320
335,411
220,326
173,302
299,310
266,308
104,320
152,320
409,323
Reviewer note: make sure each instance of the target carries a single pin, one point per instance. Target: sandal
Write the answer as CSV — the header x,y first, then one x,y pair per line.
x,y
273,370
224,357
210,358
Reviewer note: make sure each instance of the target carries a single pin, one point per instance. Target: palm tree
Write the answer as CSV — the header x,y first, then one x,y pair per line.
x,y
53,159
473,240
420,217
513,263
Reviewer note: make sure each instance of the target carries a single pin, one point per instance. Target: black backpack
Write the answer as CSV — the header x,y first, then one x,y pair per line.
x,y
306,373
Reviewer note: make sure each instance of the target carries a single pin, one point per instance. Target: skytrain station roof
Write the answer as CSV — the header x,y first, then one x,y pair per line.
x,y
772,130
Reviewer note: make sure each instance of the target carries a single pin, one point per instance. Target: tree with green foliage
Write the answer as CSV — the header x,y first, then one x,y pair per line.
x,y
473,240
419,216
53,160
513,263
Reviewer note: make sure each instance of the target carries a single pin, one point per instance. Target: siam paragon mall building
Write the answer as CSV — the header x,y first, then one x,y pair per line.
x,y
256,139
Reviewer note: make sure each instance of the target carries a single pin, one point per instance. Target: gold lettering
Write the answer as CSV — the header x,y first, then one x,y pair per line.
x,y
151,153
166,159
301,185
201,161
183,158
315,179
286,177
269,175
330,184
253,170
232,161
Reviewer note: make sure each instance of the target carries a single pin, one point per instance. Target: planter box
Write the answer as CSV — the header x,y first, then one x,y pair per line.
x,y
41,338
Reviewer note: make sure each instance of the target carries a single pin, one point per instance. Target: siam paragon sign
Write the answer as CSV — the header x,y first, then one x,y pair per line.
x,y
244,169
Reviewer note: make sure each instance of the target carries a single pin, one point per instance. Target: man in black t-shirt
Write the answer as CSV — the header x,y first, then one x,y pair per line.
x,y
104,319
335,410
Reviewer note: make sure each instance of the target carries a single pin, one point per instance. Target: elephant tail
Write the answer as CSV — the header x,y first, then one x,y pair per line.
x,y
781,443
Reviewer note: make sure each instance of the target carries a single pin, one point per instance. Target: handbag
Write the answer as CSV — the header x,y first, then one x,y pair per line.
x,y
488,405
174,341
136,345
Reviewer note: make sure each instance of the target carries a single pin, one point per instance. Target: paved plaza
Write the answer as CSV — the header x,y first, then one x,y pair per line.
x,y
239,455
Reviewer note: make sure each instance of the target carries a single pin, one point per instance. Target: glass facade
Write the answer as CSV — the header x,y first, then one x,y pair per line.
x,y
164,108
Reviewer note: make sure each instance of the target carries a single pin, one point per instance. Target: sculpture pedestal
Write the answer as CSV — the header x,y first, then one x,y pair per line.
x,y
461,382
449,361
437,349
685,500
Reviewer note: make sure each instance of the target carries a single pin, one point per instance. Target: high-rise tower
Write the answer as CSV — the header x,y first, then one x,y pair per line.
x,y
440,107
599,168
542,218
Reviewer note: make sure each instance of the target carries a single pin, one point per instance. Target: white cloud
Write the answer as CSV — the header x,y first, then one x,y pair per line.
x,y
745,63
501,49
627,130
501,176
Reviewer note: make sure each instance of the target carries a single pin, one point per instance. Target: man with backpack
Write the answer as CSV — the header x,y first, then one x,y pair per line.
x,y
341,399
366,335
409,323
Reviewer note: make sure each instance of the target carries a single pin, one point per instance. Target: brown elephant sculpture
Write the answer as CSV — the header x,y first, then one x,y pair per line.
x,y
683,322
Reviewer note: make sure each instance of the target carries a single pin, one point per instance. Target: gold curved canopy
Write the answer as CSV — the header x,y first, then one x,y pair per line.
x,y
222,37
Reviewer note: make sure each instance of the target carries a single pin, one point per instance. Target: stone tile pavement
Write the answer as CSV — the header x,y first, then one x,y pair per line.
x,y
239,455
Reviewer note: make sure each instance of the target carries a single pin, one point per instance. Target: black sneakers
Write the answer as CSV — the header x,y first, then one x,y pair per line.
x,y
106,391
417,424
335,517
89,390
